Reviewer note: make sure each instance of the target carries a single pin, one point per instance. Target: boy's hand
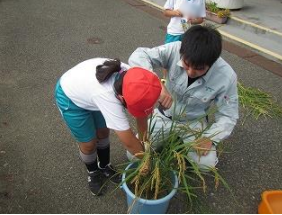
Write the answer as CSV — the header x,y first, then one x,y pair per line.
x,y
165,99
203,146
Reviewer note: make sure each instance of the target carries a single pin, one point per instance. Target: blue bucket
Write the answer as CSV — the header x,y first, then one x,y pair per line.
x,y
145,206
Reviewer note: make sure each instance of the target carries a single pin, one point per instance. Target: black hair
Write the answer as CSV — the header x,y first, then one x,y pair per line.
x,y
118,83
201,46
107,69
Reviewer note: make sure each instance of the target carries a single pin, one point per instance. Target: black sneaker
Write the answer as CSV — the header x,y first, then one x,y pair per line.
x,y
110,173
95,182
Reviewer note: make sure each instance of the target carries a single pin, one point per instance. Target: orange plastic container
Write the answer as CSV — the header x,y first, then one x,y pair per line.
x,y
271,202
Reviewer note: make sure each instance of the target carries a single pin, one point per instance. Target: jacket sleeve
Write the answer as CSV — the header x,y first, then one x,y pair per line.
x,y
226,115
153,58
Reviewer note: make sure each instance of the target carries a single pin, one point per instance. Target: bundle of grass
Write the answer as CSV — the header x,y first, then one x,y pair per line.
x,y
258,103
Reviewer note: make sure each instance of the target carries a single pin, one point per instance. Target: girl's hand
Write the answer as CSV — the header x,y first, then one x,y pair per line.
x,y
178,13
194,20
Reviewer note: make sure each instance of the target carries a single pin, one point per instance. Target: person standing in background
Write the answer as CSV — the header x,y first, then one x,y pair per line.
x,y
183,14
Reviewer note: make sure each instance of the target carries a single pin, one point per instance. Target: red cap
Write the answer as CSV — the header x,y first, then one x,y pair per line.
x,y
141,90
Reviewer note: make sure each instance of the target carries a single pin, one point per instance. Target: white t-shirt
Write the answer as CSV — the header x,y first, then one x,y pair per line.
x,y
189,9
84,90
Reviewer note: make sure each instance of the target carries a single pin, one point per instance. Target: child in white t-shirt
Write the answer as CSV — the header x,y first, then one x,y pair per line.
x,y
92,98
183,13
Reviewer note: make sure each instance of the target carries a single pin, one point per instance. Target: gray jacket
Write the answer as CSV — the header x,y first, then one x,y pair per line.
x,y
218,87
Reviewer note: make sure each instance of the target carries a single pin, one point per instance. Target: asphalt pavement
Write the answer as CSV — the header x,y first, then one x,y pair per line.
x,y
40,171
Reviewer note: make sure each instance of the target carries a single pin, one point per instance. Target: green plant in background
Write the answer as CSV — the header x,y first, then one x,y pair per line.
x,y
212,7
258,103
223,13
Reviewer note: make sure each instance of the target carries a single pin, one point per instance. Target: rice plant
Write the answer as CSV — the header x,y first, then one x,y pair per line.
x,y
151,177
258,103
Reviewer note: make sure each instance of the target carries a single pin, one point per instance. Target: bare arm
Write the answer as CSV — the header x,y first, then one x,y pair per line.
x,y
172,13
130,142
142,127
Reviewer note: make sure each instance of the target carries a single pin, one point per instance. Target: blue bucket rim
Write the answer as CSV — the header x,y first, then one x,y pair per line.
x,y
149,201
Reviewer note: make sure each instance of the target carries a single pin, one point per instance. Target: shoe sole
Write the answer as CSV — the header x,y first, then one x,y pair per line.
x,y
98,194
